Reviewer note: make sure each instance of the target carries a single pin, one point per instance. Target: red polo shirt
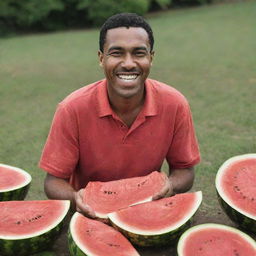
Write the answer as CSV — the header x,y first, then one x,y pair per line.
x,y
89,142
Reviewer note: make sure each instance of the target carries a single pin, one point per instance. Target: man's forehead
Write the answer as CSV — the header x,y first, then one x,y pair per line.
x,y
124,34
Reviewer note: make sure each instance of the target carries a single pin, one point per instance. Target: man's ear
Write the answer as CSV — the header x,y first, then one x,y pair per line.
x,y
100,55
152,54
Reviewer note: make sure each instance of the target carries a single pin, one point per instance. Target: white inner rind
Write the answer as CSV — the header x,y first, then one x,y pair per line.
x,y
65,205
183,239
114,218
27,176
105,215
75,237
220,189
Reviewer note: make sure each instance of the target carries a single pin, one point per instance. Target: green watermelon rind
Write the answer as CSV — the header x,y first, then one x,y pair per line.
x,y
158,239
32,245
73,248
239,216
168,238
18,192
184,236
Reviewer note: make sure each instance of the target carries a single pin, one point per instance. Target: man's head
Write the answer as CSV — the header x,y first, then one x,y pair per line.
x,y
125,20
126,53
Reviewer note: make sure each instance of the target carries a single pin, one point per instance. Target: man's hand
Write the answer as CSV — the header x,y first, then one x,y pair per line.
x,y
179,181
166,191
81,206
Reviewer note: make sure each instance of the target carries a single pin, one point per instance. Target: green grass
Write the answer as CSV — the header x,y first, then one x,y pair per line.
x,y
207,53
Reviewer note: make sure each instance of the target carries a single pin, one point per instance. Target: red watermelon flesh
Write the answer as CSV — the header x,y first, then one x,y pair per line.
x,y
215,240
239,184
21,219
12,177
95,238
158,217
106,197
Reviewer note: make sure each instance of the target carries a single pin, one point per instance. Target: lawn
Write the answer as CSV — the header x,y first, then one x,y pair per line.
x,y
208,53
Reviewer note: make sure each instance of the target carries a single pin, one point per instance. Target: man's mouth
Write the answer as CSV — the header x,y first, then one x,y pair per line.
x,y
127,77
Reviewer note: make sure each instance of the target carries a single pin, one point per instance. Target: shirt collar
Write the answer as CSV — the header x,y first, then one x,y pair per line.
x,y
150,104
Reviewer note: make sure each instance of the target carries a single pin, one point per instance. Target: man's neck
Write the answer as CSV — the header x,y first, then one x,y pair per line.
x,y
127,108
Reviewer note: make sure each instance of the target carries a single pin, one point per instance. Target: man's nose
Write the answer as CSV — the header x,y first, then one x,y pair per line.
x,y
128,62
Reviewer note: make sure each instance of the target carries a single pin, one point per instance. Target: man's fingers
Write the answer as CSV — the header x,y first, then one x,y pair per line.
x,y
165,192
161,194
82,207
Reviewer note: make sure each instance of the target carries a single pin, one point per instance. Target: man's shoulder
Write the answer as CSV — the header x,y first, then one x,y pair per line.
x,y
167,92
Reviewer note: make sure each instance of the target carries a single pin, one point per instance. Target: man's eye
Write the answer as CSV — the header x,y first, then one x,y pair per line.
x,y
115,54
140,54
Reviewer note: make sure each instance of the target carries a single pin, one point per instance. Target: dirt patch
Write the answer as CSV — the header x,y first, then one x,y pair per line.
x,y
202,216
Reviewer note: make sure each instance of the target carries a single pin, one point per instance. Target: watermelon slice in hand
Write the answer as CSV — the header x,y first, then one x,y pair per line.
x,y
106,197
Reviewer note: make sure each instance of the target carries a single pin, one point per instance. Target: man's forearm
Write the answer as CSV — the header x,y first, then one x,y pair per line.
x,y
181,179
57,188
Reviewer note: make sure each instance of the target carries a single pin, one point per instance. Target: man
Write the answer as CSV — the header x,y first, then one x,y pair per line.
x,y
122,126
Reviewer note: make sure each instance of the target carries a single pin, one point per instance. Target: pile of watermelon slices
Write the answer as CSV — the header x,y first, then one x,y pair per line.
x,y
135,220
26,227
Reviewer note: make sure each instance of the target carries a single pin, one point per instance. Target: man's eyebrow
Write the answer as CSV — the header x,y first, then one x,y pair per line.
x,y
143,48
115,48
140,48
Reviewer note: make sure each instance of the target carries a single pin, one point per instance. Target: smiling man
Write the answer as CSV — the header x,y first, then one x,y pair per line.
x,y
123,126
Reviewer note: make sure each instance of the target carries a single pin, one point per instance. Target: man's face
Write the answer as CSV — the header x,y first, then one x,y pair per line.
x,y
126,60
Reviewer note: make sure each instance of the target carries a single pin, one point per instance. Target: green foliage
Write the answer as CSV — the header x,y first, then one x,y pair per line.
x,y
100,10
160,4
24,13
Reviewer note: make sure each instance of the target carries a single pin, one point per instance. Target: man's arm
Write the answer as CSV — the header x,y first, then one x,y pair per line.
x,y
58,188
179,181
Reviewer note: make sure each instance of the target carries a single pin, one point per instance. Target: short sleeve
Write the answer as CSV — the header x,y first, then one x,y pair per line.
x,y
60,154
184,150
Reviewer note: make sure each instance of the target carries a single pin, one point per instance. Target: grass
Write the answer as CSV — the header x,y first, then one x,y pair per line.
x,y
207,53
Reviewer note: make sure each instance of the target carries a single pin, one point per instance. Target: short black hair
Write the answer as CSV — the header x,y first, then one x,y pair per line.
x,y
125,20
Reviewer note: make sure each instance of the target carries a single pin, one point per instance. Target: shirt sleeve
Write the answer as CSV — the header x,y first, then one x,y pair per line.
x,y
184,149
61,152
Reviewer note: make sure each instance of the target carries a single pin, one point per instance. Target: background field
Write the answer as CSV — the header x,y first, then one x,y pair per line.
x,y
207,53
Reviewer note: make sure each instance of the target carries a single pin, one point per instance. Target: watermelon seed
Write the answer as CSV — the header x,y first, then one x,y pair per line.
x,y
114,245
18,222
109,192
142,183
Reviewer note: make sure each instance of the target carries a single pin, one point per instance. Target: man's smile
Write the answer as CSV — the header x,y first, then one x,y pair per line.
x,y
127,77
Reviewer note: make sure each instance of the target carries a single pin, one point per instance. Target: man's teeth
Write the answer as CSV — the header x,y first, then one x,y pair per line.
x,y
127,77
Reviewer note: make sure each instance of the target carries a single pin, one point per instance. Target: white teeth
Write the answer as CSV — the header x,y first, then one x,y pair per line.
x,y
127,77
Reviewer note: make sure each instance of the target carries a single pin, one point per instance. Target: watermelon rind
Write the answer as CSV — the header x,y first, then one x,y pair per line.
x,y
188,232
244,219
168,235
77,247
17,192
24,245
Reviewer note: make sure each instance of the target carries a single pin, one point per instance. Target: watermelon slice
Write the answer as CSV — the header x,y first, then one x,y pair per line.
x,y
92,237
215,240
27,227
157,222
14,183
106,197
236,189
